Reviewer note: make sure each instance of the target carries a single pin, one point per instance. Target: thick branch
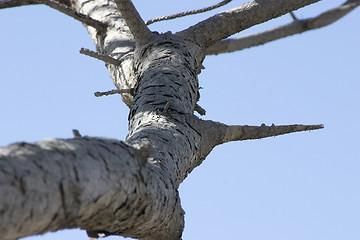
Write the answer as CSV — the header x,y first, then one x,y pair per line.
x,y
183,14
138,28
235,20
297,26
89,183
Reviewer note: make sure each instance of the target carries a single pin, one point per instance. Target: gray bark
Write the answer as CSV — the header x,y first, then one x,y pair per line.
x,y
128,188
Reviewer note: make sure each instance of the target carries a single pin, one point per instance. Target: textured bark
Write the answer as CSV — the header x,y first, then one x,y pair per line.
x,y
127,188
94,184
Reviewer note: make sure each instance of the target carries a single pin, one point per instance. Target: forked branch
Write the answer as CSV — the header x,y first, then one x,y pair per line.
x,y
225,24
295,27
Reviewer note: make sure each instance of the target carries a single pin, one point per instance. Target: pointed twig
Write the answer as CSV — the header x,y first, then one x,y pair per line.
x,y
293,16
100,56
76,133
182,14
138,28
295,27
200,110
111,92
239,133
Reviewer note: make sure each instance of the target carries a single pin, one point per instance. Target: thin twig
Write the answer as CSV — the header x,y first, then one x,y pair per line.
x,y
182,14
138,28
102,57
293,16
111,92
295,27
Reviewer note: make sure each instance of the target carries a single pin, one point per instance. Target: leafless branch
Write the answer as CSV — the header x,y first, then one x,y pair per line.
x,y
177,15
111,92
295,27
100,56
225,24
239,133
138,28
58,6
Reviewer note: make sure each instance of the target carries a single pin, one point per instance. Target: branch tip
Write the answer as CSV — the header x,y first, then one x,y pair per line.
x,y
76,133
293,16
200,110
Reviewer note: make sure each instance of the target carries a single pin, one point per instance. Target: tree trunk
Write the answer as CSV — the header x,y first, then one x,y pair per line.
x,y
128,188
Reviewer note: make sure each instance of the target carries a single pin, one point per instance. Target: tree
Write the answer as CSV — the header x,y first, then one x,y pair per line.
x,y
88,174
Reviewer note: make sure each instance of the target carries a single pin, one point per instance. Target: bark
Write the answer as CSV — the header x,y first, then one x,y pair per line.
x,y
127,188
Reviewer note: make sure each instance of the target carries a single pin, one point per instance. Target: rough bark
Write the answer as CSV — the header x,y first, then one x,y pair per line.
x,y
128,188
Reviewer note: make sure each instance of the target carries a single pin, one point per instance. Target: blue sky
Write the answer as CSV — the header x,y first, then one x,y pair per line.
x,y
297,186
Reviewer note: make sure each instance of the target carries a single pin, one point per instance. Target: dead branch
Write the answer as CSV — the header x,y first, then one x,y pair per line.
x,y
183,14
295,27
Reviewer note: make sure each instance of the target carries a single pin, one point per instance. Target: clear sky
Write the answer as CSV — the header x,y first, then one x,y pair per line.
x,y
302,186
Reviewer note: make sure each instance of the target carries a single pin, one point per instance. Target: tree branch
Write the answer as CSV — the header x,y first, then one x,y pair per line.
x,y
58,6
89,183
177,15
138,28
100,56
239,133
227,23
295,27
116,91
